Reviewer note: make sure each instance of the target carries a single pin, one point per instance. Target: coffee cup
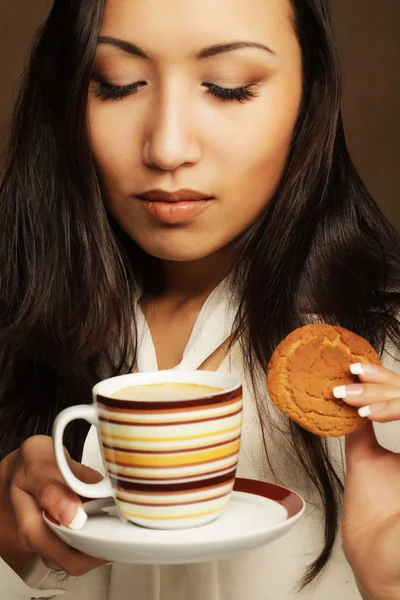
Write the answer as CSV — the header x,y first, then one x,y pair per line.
x,y
170,443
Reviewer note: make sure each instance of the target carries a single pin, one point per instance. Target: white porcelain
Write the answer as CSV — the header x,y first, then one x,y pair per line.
x,y
171,462
251,520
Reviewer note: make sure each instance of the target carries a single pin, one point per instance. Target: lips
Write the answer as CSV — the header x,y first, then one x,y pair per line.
x,y
183,195
174,207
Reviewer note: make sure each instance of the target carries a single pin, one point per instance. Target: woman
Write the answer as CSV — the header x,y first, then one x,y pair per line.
x,y
106,269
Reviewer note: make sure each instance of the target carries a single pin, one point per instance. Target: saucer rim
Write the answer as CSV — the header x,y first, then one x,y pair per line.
x,y
243,487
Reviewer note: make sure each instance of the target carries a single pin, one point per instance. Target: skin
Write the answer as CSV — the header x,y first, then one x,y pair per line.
x,y
173,134
371,516
170,135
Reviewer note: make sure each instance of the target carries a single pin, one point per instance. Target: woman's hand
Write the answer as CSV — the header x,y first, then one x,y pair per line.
x,y
371,515
29,483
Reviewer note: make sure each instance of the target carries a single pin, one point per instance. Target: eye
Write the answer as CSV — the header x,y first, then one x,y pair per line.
x,y
106,91
241,94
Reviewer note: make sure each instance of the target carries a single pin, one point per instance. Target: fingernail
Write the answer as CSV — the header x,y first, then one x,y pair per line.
x,y
342,391
363,369
366,411
79,520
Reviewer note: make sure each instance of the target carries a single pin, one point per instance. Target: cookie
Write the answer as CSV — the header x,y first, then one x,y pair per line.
x,y
304,369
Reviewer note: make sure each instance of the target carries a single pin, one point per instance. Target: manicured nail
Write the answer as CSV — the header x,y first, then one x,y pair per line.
x,y
343,391
79,520
366,411
364,369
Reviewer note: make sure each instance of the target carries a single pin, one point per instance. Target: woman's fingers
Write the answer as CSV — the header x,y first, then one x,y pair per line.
x,y
382,412
377,396
39,539
368,393
375,374
41,478
35,484
44,483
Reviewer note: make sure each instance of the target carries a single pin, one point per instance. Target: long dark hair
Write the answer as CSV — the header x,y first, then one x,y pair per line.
x,y
68,273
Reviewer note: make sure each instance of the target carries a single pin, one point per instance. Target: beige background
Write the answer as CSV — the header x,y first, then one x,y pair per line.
x,y
369,41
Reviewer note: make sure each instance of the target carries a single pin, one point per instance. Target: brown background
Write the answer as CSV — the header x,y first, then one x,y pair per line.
x,y
369,42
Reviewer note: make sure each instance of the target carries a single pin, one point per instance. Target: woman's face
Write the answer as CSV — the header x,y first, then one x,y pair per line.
x,y
157,120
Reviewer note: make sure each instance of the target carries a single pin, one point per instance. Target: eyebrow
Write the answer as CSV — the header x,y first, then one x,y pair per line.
x,y
205,53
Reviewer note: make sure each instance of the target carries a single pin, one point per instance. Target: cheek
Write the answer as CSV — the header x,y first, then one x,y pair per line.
x,y
257,155
113,144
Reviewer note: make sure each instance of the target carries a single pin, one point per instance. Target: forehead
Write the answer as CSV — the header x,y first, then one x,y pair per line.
x,y
175,26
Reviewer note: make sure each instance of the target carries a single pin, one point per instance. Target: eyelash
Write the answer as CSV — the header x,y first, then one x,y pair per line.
x,y
106,91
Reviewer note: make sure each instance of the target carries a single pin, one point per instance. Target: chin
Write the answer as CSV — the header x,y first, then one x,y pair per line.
x,y
176,252
175,255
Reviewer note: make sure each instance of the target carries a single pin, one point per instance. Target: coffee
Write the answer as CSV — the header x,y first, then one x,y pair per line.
x,y
165,391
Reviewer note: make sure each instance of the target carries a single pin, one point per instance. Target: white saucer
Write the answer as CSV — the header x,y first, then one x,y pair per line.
x,y
258,513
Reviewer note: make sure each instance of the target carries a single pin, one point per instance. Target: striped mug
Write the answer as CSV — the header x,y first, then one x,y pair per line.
x,y
170,443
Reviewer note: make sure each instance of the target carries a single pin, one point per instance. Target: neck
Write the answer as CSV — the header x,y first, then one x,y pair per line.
x,y
192,280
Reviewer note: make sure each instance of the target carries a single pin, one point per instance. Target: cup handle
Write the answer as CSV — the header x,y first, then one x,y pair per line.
x,y
102,489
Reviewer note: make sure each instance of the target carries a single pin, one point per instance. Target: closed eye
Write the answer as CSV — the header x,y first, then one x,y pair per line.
x,y
106,91
240,94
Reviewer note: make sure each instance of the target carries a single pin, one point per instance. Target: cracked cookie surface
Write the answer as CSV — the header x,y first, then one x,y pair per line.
x,y
304,369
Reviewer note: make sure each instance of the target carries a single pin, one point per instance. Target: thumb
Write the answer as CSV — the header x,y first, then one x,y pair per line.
x,y
362,446
42,486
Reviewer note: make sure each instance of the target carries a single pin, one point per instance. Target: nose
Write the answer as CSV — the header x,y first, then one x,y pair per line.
x,y
170,137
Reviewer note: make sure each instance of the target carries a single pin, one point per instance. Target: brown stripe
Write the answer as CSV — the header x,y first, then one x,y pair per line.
x,y
171,487
168,423
173,503
202,401
184,451
151,410
288,499
180,493
157,479
178,466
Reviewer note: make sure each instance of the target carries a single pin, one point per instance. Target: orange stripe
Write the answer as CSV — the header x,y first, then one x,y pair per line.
x,y
169,450
171,518
127,438
157,461
174,466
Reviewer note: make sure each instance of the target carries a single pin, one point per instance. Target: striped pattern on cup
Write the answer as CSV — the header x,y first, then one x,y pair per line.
x,y
172,463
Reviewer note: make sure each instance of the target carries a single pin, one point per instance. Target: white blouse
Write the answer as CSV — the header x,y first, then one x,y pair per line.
x,y
267,573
